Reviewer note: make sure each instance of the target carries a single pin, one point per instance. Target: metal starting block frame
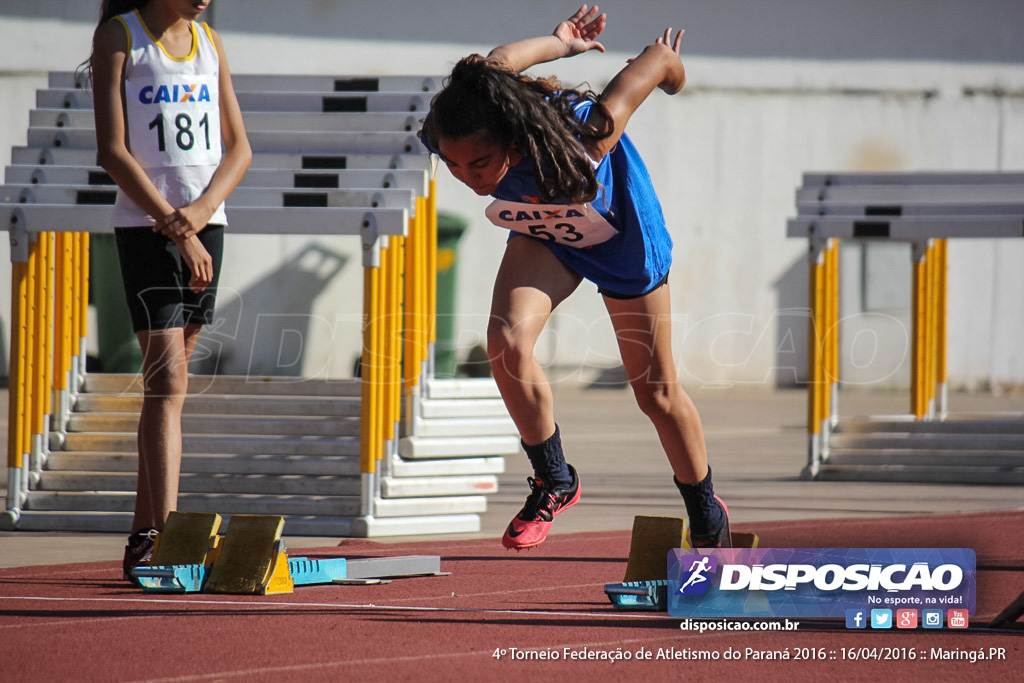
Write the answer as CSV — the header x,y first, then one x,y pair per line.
x,y
260,574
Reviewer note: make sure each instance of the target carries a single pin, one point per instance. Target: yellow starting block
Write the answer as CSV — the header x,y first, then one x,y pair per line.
x,y
654,537
251,559
645,586
188,538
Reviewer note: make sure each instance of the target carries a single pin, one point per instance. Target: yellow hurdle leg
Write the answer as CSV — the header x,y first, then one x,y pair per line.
x,y
918,399
47,340
431,218
422,277
369,415
32,350
830,360
397,335
17,396
380,369
815,369
942,327
411,370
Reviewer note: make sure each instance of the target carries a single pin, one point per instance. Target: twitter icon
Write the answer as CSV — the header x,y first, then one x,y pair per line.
x,y
881,618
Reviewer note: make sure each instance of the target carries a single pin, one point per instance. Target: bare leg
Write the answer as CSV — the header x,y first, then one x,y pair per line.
x,y
530,283
643,329
165,356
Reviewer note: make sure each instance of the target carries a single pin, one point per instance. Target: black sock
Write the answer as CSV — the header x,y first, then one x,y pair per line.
x,y
705,514
549,462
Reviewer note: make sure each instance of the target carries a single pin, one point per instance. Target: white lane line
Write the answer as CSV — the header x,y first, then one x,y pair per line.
x,y
342,606
220,675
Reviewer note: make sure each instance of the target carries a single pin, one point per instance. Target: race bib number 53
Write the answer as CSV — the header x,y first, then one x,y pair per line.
x,y
573,226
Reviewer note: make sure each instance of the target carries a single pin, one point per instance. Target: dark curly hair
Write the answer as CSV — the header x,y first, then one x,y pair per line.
x,y
535,115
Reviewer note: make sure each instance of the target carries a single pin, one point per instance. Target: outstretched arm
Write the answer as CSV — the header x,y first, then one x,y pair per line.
x,y
571,37
658,66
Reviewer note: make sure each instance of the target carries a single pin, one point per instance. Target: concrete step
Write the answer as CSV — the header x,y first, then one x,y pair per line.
x,y
317,425
223,404
285,445
925,475
419,487
120,522
912,457
210,463
363,527
295,525
463,388
928,442
414,447
463,408
446,467
76,521
464,426
439,505
964,423
111,383
224,503
261,484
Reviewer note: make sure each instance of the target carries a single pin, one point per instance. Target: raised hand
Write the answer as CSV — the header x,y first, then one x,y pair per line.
x,y
675,78
578,32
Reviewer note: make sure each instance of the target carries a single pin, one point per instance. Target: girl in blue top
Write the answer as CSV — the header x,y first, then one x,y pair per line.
x,y
573,190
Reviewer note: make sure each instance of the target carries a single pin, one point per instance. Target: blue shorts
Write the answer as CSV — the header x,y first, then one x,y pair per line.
x,y
627,266
625,297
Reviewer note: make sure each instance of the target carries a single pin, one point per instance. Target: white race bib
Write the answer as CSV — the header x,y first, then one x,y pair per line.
x,y
174,123
576,226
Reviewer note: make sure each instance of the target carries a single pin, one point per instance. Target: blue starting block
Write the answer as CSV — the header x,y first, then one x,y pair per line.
x,y
251,560
190,578
303,571
639,595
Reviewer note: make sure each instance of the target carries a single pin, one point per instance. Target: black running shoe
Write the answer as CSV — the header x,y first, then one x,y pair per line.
x,y
530,527
138,551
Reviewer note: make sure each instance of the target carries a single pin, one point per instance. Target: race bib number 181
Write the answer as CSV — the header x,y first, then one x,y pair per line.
x,y
174,124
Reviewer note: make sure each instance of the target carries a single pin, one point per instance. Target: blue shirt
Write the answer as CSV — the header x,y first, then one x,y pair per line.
x,y
619,241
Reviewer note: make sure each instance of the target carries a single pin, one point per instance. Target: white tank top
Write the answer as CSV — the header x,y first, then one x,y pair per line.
x,y
173,115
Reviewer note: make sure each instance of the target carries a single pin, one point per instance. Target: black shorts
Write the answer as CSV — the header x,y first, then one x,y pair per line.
x,y
156,278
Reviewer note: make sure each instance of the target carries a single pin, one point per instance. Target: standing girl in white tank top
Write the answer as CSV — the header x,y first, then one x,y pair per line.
x,y
170,134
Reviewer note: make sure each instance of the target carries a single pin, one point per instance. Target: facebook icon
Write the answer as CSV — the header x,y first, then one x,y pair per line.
x,y
856,618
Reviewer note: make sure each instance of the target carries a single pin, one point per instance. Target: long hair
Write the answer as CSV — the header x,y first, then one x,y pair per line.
x,y
108,10
534,115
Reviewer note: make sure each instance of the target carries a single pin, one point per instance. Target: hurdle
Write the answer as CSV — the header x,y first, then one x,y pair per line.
x,y
924,210
295,82
333,156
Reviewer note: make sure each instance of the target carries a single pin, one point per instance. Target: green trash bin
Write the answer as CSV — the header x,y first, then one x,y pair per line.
x,y
118,347
449,230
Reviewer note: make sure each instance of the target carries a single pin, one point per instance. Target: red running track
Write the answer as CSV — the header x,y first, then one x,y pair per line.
x,y
79,622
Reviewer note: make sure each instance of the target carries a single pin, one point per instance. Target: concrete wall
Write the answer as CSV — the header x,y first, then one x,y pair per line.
x,y
775,88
